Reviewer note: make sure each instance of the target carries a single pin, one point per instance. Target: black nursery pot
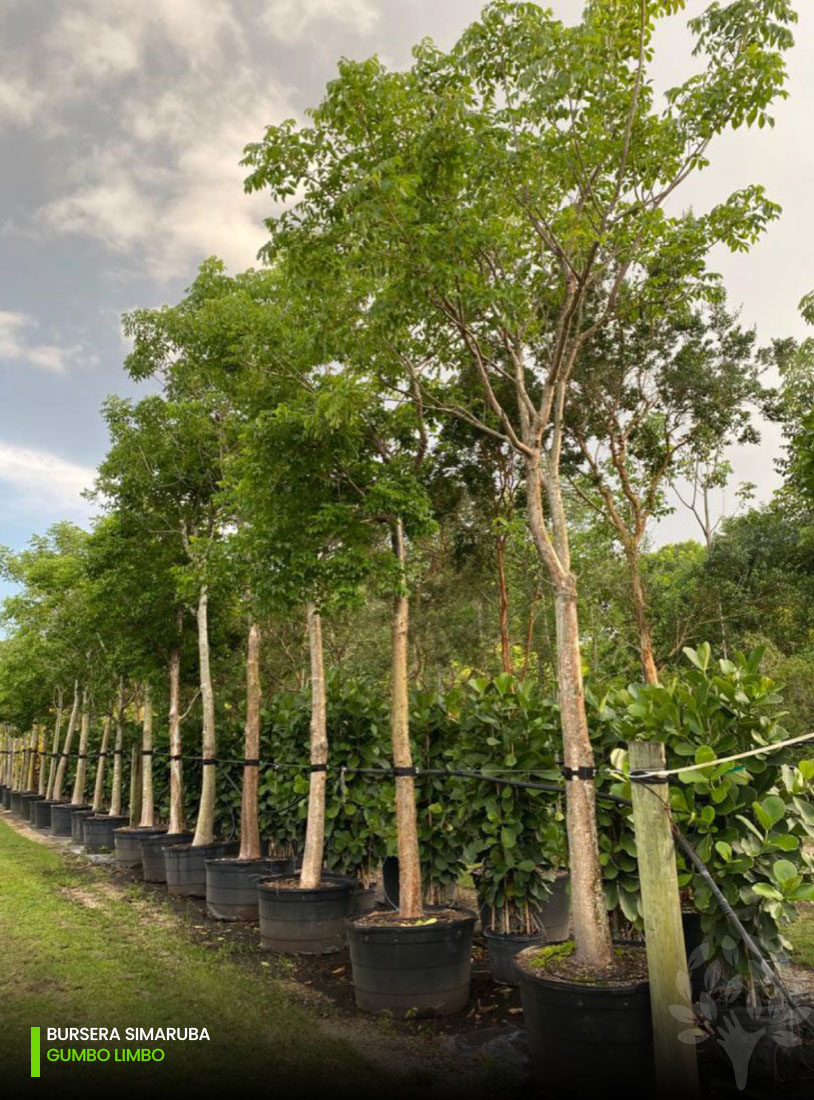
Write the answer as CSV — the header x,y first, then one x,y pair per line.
x,y
503,948
231,885
99,831
61,817
7,798
127,843
583,1036
32,804
421,970
185,865
15,802
42,812
78,818
305,922
152,854
26,799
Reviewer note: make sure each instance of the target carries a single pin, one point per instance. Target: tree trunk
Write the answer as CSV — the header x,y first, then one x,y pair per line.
x,y
147,818
205,825
116,788
99,789
33,742
135,784
66,747
311,875
591,926
250,847
52,766
42,746
648,662
82,756
503,605
177,817
406,817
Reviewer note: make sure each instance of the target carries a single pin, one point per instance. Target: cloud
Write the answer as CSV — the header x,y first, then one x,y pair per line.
x,y
157,178
19,103
14,345
39,483
288,20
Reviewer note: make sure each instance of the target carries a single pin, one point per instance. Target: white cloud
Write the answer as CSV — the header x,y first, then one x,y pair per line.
x,y
14,345
164,188
288,20
18,102
41,483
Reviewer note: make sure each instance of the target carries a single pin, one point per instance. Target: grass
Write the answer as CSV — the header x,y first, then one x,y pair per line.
x,y
801,934
76,952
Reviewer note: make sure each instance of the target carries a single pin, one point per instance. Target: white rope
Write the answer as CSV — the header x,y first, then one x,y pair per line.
x,y
663,773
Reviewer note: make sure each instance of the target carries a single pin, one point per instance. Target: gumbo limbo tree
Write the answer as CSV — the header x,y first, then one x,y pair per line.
x,y
506,199
649,396
161,475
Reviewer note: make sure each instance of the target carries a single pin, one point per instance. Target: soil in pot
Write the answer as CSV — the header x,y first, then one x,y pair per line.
x,y
503,947
412,967
584,1029
61,818
231,885
185,865
153,867
304,922
127,843
99,830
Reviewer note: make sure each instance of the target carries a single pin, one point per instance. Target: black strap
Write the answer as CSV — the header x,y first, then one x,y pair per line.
x,y
147,752
209,760
81,756
251,764
101,754
176,756
319,767
583,772
400,773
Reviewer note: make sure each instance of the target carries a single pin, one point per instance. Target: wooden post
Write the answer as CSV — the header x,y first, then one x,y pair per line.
x,y
676,1062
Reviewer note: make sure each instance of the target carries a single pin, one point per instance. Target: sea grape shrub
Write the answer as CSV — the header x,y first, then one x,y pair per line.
x,y
359,820
359,827
441,799
747,819
513,838
283,786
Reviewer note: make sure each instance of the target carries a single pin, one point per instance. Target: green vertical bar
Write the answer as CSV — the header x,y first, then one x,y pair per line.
x,y
35,1052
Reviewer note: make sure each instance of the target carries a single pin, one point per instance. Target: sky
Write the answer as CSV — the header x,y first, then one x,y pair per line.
x,y
122,126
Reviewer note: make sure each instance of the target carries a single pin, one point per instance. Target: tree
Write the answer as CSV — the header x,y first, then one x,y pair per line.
x,y
504,200
161,475
652,396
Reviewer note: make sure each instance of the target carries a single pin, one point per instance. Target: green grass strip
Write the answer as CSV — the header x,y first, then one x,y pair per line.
x,y
77,952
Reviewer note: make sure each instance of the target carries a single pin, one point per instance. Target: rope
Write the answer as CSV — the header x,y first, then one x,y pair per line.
x,y
641,776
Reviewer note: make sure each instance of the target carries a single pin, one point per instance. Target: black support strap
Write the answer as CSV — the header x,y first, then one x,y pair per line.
x,y
578,773
401,773
319,767
209,760
251,763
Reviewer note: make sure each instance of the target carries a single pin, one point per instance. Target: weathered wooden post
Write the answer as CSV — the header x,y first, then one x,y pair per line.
x,y
676,1062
